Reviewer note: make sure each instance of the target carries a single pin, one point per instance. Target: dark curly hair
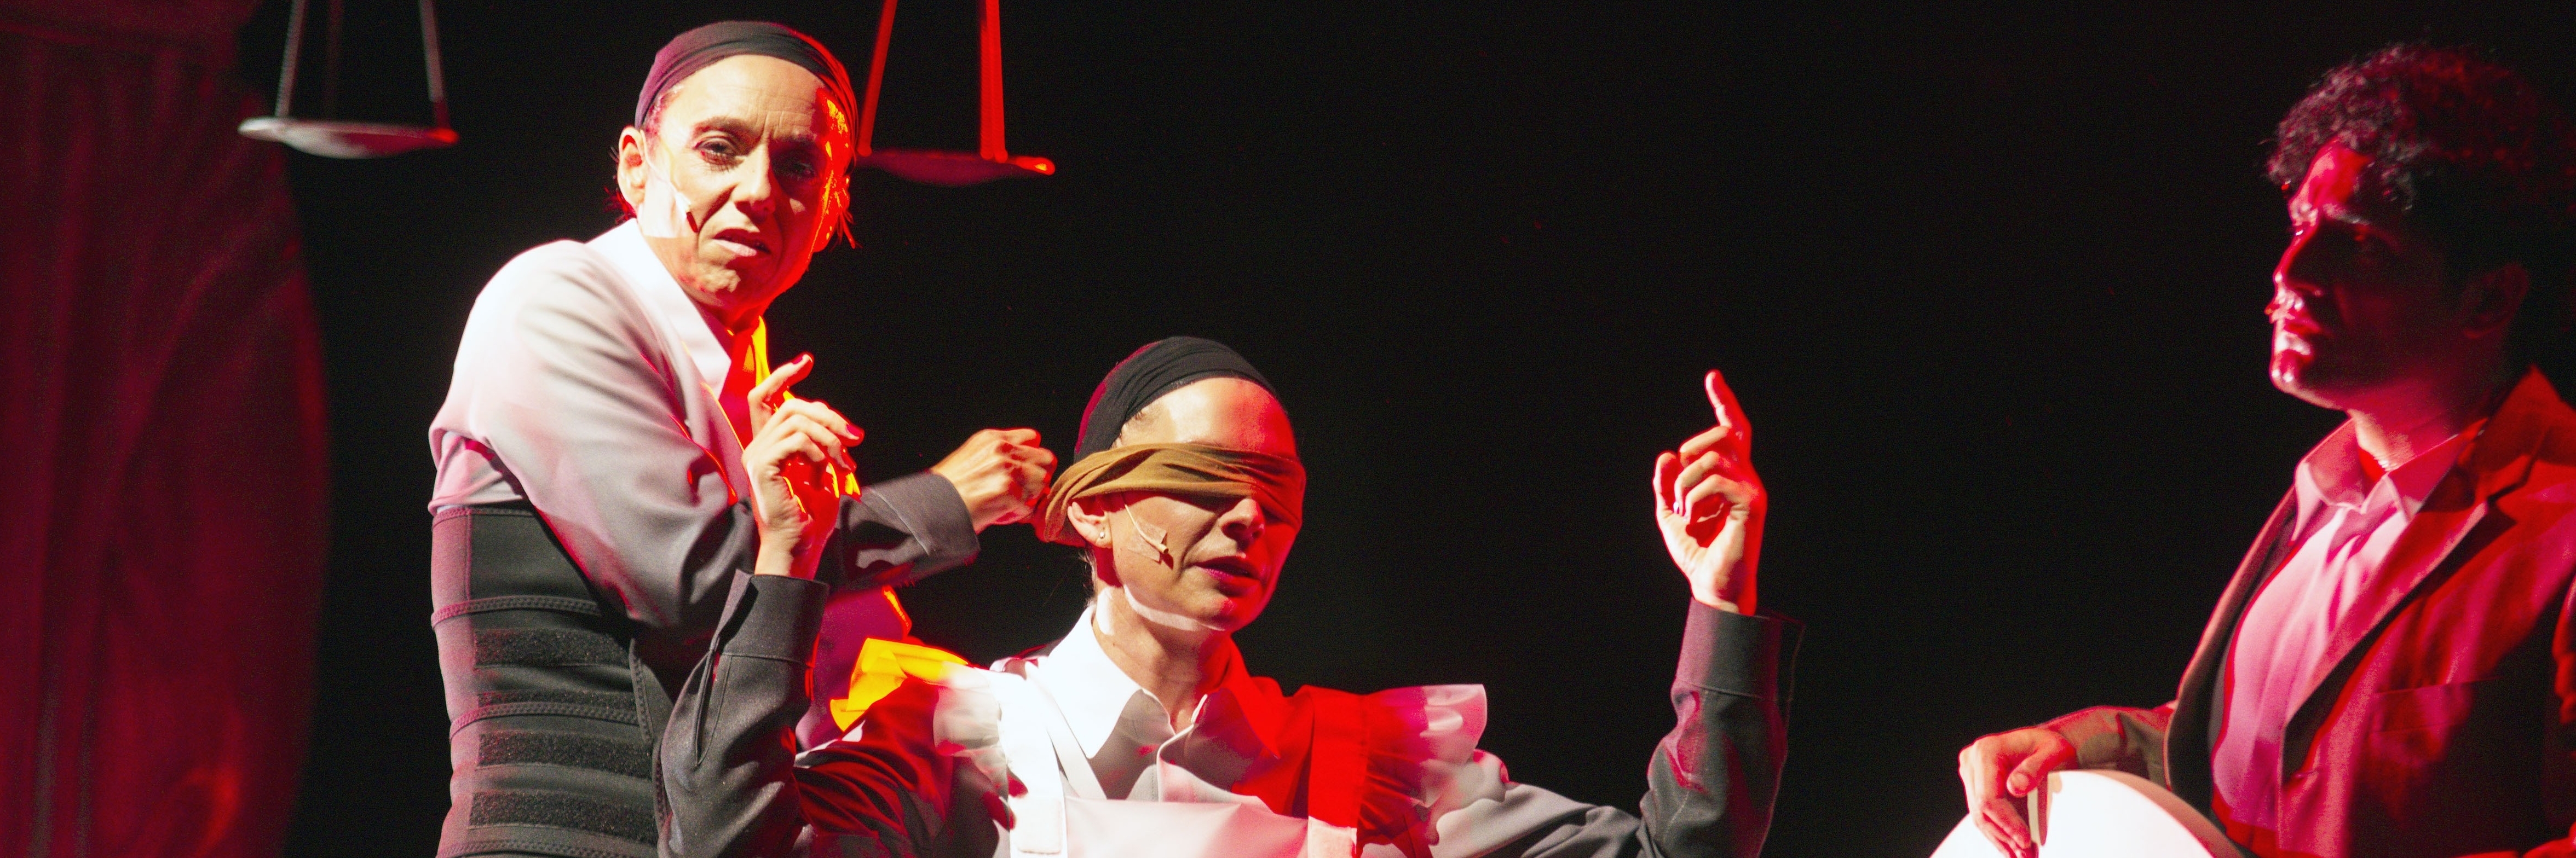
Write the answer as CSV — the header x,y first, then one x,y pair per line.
x,y
2476,156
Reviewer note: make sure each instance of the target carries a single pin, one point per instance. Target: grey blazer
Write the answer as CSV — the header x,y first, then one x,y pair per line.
x,y
590,514
572,393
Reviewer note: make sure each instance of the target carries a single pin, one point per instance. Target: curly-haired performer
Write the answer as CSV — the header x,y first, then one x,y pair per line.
x,y
1142,734
591,507
2392,672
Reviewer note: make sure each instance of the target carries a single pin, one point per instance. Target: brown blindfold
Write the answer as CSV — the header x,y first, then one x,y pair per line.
x,y
1187,470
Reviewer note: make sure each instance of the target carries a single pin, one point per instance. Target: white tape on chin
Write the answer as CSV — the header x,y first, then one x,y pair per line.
x,y
1164,618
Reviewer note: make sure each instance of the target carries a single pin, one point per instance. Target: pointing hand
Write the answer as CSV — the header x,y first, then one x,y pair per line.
x,y
1710,504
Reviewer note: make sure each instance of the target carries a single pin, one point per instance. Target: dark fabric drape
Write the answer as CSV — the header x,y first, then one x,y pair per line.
x,y
162,456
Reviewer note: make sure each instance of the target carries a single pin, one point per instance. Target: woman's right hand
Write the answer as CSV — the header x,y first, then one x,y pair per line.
x,y
795,497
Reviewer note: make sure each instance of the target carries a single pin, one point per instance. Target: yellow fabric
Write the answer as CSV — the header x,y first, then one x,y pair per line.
x,y
848,484
1188,470
882,667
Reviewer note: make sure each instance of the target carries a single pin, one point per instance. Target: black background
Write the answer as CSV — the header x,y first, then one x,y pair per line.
x,y
1987,280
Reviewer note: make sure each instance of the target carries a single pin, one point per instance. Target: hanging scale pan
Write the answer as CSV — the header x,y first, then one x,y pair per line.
x,y
990,161
332,138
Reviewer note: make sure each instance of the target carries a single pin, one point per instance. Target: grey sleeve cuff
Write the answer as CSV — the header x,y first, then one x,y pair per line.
x,y
900,531
1731,653
774,616
935,515
2117,737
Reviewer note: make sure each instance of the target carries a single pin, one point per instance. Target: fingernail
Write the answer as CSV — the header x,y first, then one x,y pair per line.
x,y
807,357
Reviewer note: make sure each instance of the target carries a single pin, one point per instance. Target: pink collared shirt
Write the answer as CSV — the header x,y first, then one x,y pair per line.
x,y
2347,524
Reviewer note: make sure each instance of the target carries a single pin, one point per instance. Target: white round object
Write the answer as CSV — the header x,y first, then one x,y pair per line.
x,y
2091,813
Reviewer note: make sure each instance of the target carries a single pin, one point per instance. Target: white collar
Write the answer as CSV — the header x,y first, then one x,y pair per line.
x,y
1086,685
700,333
2331,475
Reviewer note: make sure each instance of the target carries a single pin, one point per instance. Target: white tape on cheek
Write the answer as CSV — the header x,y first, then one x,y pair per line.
x,y
1162,555
663,214
1156,539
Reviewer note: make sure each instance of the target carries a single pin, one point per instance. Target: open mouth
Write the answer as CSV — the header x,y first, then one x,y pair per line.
x,y
2293,329
2298,333
744,242
2298,324
1232,567
2291,315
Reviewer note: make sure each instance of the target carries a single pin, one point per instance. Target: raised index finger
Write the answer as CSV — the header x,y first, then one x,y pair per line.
x,y
1721,399
769,389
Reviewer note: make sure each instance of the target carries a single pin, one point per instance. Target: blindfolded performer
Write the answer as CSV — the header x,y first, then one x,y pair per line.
x,y
591,505
1142,733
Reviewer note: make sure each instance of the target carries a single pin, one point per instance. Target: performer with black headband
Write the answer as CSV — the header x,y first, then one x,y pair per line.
x,y
591,505
1141,733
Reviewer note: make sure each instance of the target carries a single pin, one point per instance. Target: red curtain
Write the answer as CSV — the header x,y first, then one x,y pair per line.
x,y
162,456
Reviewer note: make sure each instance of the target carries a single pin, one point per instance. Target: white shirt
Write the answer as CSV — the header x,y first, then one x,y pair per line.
x,y
581,388
2349,523
714,349
1151,761
1163,785
1092,690
469,472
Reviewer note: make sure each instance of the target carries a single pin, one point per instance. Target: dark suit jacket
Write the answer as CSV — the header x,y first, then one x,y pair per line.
x,y
2447,724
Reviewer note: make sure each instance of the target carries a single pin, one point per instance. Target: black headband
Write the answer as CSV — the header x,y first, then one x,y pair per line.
x,y
705,46
1160,367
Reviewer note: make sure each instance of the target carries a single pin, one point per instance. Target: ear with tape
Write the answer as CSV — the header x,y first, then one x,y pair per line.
x,y
666,218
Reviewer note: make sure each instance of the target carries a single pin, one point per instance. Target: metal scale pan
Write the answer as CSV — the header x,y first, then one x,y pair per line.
x,y
336,138
990,161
